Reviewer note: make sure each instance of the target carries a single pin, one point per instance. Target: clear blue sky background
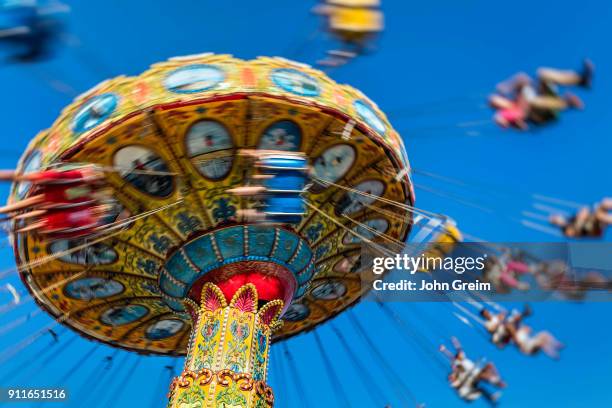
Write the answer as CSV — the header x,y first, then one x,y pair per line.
x,y
436,62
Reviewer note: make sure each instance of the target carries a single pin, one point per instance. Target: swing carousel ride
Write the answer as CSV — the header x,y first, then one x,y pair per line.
x,y
194,275
212,206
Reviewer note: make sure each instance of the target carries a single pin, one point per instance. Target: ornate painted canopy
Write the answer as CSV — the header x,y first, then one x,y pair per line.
x,y
186,118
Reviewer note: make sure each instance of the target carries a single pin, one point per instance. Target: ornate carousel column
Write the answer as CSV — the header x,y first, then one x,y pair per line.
x,y
226,365
234,283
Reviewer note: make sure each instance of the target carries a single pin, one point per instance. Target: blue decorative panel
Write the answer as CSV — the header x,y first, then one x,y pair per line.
x,y
174,304
201,252
169,287
302,259
120,315
180,268
305,276
261,240
230,242
198,257
287,244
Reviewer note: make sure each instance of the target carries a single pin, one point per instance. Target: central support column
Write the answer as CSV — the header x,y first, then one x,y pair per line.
x,y
226,365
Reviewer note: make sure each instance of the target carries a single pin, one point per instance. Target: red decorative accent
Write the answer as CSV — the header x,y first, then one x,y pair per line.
x,y
268,287
270,312
271,280
245,299
211,299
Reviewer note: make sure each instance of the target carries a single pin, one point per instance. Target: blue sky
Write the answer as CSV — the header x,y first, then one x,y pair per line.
x,y
435,64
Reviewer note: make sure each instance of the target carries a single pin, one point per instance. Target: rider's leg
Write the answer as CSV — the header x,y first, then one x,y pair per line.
x,y
559,76
518,267
508,279
20,205
32,227
553,103
603,211
500,102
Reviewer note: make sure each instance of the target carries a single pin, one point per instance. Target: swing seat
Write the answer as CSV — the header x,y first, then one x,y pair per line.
x,y
288,181
349,22
285,203
289,172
